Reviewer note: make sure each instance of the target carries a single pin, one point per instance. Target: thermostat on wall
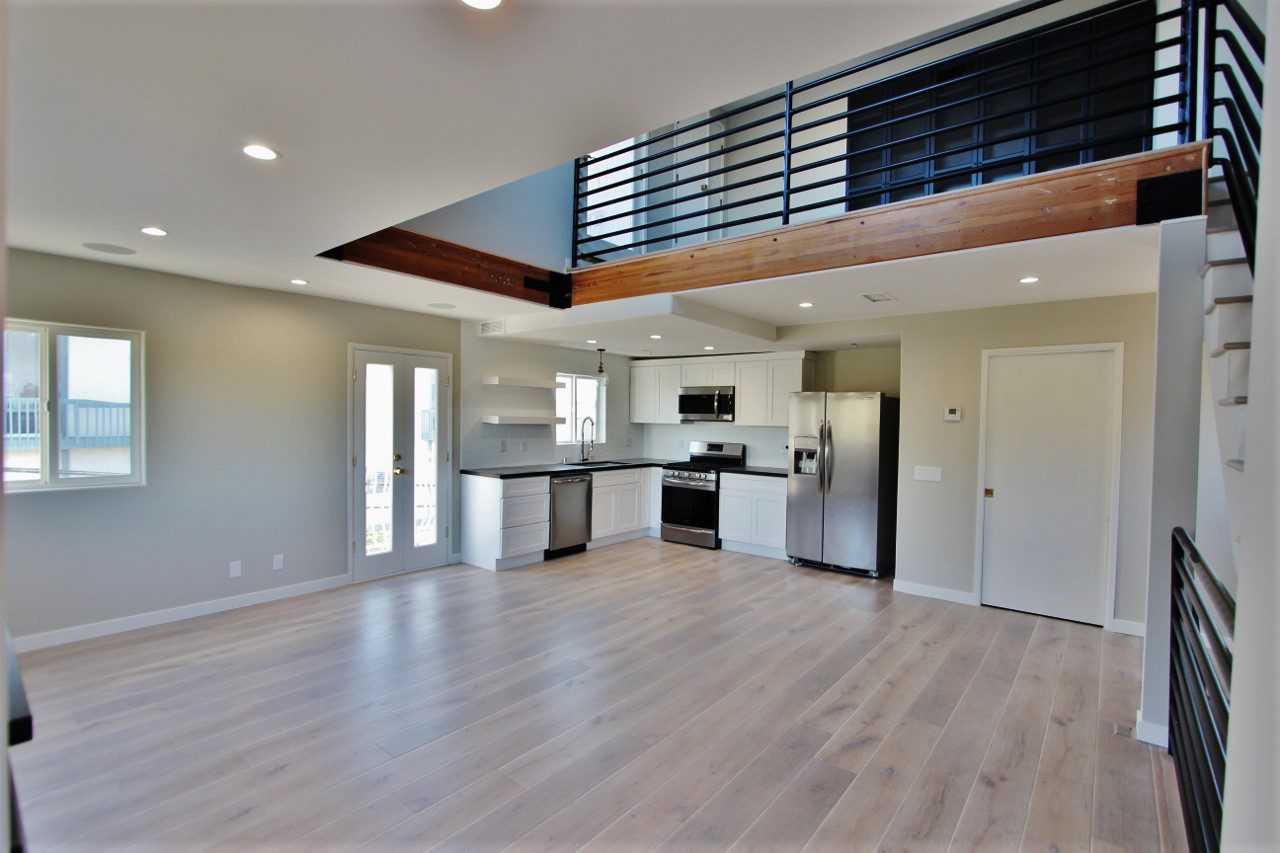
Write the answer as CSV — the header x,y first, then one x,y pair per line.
x,y
951,413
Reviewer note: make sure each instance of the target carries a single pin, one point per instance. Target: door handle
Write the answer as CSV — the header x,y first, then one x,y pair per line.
x,y
988,493
397,470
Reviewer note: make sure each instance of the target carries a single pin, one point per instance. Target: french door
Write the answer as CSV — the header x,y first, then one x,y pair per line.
x,y
400,461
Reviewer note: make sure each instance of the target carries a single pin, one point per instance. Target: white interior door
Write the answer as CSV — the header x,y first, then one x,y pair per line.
x,y
1051,434
400,461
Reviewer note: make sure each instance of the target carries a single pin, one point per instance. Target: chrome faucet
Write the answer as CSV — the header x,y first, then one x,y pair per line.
x,y
584,452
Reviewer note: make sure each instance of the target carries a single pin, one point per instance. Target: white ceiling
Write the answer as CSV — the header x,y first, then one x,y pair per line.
x,y
125,114
746,317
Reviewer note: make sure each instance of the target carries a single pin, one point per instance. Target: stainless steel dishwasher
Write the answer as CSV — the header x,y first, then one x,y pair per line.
x,y
570,514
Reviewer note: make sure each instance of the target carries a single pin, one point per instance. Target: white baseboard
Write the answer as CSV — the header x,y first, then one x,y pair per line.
x,y
753,550
942,592
61,636
1151,733
1128,626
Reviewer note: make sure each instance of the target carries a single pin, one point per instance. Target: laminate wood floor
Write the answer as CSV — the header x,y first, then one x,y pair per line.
x,y
643,695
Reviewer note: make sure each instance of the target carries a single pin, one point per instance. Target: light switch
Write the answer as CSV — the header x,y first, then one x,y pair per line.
x,y
928,474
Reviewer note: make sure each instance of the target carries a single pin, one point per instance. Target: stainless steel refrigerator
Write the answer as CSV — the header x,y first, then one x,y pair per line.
x,y
842,481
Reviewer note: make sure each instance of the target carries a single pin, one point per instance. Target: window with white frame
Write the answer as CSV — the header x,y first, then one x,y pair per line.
x,y
581,397
72,407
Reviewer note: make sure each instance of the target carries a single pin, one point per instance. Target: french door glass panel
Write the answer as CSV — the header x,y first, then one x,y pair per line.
x,y
379,438
426,455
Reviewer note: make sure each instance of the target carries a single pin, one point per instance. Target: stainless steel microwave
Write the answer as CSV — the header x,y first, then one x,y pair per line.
x,y
706,403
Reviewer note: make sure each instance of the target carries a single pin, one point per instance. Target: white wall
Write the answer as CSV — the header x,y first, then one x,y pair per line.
x,y
528,220
1250,819
765,445
480,442
247,451
941,366
861,369
1212,532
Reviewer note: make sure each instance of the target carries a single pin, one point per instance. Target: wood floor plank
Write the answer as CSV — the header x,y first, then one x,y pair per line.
x,y
628,697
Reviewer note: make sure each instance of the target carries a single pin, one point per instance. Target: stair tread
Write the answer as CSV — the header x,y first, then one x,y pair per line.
x,y
1236,464
1228,300
1219,202
1238,400
1229,347
1223,229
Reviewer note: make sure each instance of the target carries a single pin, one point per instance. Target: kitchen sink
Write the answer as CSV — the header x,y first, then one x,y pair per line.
x,y
593,464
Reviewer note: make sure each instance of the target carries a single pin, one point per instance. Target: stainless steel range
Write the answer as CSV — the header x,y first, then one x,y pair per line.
x,y
691,492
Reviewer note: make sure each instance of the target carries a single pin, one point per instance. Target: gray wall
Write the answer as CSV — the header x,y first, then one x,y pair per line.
x,y
481,442
528,220
942,366
246,395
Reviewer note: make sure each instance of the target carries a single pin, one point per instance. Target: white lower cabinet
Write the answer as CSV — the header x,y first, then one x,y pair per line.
x,y
753,514
505,523
619,502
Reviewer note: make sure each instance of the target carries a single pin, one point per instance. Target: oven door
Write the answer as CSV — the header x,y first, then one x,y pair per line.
x,y
713,403
690,512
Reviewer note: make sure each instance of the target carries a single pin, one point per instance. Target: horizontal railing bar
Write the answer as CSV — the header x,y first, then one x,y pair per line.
x,y
999,140
1252,125
1246,67
739,146
1214,749
723,170
943,38
1245,213
1246,151
1248,26
981,96
742,202
1233,154
989,165
978,73
1191,787
1225,601
773,214
884,146
1194,735
686,145
1211,670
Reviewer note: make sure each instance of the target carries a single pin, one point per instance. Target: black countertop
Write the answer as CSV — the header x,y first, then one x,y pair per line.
x,y
513,471
757,470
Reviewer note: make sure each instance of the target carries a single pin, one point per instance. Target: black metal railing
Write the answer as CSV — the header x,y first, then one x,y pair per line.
x,y
1201,651
1234,51
1020,93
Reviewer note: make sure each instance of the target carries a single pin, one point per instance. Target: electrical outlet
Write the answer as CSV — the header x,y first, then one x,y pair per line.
x,y
277,563
524,445
235,568
502,446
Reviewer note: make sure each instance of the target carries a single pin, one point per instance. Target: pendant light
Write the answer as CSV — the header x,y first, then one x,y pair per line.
x,y
602,378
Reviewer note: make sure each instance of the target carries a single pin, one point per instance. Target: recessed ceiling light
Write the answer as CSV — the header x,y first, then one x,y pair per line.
x,y
152,231
655,337
1031,279
260,152
593,342
483,4
806,304
298,281
708,348
443,306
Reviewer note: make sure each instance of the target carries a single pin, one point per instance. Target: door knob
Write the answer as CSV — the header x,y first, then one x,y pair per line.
x,y
988,493
396,457
397,470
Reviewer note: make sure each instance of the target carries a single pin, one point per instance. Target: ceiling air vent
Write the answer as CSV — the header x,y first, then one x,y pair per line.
x,y
493,327
877,297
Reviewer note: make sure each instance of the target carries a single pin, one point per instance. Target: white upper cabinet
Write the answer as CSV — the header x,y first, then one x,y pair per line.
x,y
751,393
669,394
762,383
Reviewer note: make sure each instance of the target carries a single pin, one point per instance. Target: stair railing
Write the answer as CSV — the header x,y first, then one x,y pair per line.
x,y
1202,645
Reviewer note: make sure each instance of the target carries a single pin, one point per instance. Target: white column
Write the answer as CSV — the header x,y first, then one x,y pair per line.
x,y
1179,349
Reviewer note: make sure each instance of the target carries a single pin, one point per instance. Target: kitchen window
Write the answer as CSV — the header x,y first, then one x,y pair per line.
x,y
581,397
73,401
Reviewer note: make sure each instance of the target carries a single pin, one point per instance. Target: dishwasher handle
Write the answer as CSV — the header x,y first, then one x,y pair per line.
x,y
577,478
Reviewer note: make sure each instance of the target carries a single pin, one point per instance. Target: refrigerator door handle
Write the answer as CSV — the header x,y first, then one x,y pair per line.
x,y
828,453
822,461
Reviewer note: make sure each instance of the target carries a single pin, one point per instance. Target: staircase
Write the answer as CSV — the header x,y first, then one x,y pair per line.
x,y
1228,294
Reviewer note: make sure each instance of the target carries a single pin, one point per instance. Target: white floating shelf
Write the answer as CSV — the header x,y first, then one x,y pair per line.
x,y
522,383
521,420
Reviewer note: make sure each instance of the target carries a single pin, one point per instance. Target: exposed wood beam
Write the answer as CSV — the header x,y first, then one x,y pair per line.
x,y
408,252
1066,201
